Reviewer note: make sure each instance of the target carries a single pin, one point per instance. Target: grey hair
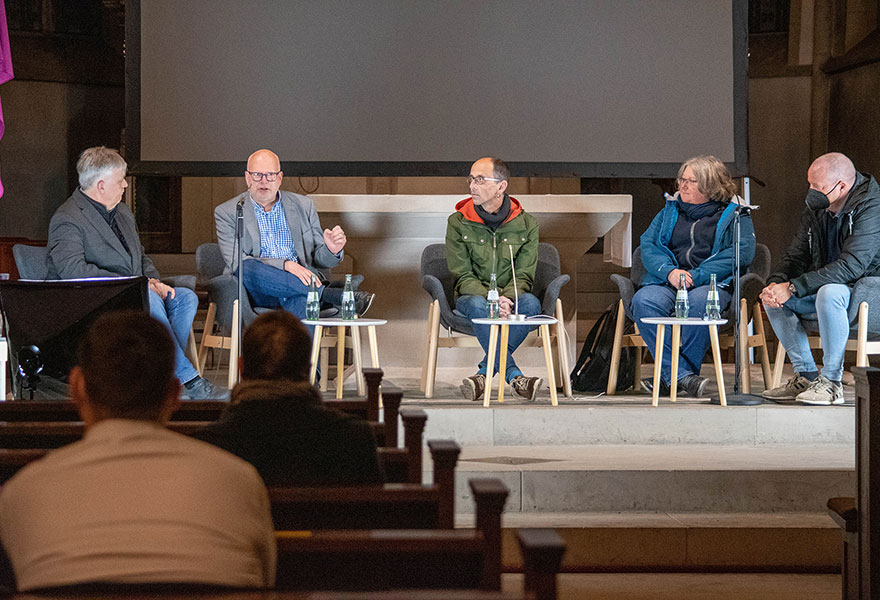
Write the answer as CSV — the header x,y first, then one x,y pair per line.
x,y
97,162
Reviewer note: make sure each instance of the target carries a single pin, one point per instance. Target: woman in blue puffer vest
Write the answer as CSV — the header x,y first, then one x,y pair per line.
x,y
692,235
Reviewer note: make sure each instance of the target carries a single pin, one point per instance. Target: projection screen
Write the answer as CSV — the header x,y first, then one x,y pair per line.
x,y
591,88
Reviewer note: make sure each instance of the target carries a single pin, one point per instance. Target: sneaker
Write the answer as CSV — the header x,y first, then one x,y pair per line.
x,y
647,385
362,302
789,390
823,391
200,388
472,387
526,387
692,385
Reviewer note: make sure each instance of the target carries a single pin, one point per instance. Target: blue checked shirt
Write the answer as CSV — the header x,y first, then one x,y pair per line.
x,y
275,238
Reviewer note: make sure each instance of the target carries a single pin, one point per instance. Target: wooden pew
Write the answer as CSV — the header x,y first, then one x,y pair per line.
x,y
860,566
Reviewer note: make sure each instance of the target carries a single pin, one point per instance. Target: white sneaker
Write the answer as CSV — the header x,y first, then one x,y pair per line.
x,y
788,390
822,392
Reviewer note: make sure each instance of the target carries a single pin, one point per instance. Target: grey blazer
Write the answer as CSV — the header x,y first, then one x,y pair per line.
x,y
305,227
82,245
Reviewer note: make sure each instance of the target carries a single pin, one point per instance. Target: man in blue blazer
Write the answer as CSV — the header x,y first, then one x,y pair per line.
x,y
94,235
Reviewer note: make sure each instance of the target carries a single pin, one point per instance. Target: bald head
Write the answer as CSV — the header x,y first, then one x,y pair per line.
x,y
830,168
262,166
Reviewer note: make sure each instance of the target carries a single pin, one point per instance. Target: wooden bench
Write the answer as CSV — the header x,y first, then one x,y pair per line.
x,y
860,564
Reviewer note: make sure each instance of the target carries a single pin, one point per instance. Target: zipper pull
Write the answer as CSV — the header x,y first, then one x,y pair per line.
x,y
810,238
850,222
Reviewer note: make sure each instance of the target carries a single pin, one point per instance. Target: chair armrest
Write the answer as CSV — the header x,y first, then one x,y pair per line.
x,y
866,289
552,293
750,286
223,291
183,281
627,289
433,286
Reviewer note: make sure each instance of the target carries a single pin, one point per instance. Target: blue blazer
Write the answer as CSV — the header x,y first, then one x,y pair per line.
x,y
659,260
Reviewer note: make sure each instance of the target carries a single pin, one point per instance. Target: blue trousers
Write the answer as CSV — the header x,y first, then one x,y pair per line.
x,y
659,301
829,306
269,287
476,307
177,315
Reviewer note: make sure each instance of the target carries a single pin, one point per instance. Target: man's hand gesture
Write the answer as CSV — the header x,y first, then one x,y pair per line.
x,y
334,239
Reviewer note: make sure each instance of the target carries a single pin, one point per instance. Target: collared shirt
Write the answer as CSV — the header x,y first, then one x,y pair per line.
x,y
276,240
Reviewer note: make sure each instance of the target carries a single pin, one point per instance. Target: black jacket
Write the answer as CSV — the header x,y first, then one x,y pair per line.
x,y
282,429
805,263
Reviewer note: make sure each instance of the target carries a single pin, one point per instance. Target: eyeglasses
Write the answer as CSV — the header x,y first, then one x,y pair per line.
x,y
684,180
480,180
270,176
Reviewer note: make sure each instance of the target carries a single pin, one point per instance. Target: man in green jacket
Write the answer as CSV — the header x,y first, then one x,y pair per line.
x,y
479,238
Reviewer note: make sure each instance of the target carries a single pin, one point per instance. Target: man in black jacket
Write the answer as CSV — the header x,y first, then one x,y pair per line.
x,y
837,244
277,421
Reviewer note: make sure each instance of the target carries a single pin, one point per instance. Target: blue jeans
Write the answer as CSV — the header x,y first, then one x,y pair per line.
x,y
829,306
659,301
476,307
269,287
177,315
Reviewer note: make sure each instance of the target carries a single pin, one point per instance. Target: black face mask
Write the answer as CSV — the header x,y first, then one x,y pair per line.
x,y
816,200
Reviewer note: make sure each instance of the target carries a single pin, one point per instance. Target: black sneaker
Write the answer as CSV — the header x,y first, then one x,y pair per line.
x,y
526,387
647,385
692,385
472,387
200,388
362,302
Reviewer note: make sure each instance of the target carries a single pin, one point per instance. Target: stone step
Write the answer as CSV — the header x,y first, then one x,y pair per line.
x,y
689,478
794,542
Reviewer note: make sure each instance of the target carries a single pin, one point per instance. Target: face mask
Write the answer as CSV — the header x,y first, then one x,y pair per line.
x,y
816,200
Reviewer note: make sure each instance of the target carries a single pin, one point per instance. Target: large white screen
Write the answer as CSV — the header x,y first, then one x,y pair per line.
x,y
590,81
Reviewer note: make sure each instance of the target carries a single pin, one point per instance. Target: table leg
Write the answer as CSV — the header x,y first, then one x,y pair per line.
x,y
316,352
716,356
340,359
374,346
658,362
673,375
490,363
502,361
358,360
548,358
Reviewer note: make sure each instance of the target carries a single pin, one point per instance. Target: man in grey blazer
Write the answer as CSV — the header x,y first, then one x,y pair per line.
x,y
283,243
94,235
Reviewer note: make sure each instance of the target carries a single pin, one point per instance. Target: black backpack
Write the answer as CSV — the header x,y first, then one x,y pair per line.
x,y
590,373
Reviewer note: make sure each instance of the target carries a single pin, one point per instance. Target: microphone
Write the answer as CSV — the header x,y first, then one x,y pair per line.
x,y
515,293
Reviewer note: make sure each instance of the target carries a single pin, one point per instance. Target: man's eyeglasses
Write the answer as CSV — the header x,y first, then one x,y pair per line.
x,y
480,180
257,176
684,180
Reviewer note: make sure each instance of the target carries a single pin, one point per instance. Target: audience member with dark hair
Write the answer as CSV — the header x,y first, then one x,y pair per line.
x,y
133,502
277,421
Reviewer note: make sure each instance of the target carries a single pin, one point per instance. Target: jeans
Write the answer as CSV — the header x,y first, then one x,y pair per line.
x,y
269,287
476,307
659,301
829,305
177,315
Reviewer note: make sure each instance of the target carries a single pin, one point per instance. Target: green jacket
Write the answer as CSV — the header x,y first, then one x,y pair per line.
x,y
474,251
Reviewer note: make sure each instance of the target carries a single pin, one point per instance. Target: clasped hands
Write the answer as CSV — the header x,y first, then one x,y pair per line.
x,y
775,294
160,288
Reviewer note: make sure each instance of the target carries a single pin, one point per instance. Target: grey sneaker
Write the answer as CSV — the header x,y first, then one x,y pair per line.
x,y
647,385
527,387
823,391
472,387
200,388
362,302
693,385
789,390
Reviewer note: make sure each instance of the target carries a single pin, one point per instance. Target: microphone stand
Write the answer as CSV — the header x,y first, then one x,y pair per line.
x,y
239,235
737,398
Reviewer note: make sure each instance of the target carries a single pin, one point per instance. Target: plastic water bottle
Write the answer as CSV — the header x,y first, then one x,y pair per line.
x,y
713,303
313,304
681,300
347,300
493,299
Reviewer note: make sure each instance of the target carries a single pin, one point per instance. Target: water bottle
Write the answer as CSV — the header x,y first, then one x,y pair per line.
x,y
713,303
493,299
313,304
681,300
347,300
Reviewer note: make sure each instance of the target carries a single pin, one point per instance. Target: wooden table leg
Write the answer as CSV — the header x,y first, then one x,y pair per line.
x,y
358,360
548,357
490,363
673,374
340,359
502,360
716,356
658,362
316,352
374,354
